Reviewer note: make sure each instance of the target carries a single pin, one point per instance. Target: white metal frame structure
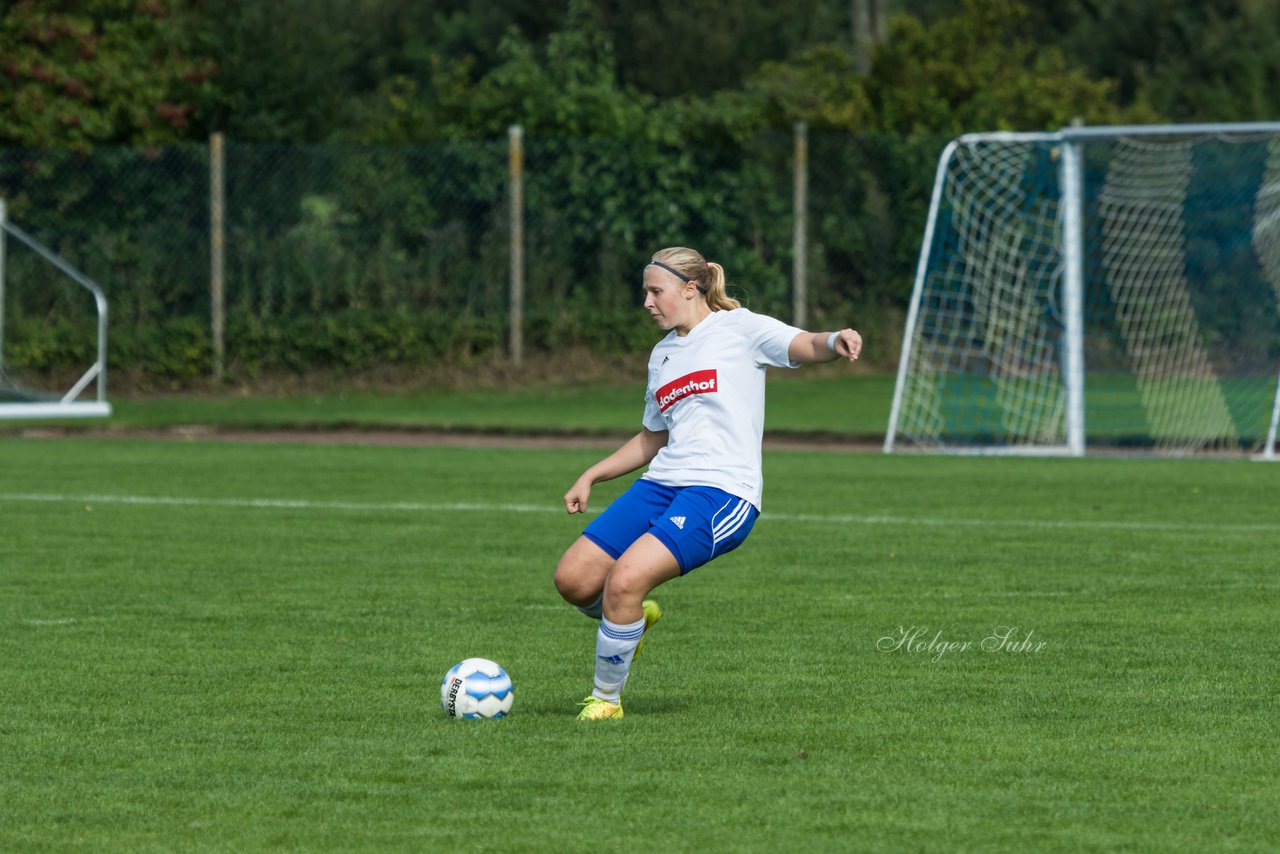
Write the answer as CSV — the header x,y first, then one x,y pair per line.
x,y
1069,270
69,405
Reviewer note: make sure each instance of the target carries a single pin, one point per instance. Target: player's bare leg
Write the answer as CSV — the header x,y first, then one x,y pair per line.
x,y
642,567
580,576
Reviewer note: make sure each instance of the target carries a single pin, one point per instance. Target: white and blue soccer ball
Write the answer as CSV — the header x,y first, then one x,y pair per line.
x,y
476,688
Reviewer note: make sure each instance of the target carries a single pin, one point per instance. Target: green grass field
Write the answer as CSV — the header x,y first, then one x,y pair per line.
x,y
210,646
1116,413
817,400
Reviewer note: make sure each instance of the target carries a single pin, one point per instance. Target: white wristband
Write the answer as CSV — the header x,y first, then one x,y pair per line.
x,y
831,341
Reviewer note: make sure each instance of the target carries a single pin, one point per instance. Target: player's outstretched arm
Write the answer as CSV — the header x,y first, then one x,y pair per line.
x,y
809,347
638,451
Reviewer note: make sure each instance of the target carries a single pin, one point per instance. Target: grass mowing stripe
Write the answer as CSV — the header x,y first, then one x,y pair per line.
x,y
480,507
820,399
1059,524
275,503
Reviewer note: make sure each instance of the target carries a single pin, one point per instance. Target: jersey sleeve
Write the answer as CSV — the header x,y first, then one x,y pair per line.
x,y
652,419
770,340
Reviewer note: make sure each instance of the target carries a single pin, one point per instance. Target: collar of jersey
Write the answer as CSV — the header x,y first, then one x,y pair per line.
x,y
694,331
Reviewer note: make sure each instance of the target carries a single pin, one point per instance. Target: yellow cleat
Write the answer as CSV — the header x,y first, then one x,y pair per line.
x,y
595,709
652,613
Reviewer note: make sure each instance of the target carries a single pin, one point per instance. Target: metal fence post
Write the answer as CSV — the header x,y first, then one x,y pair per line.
x,y
217,285
800,236
515,157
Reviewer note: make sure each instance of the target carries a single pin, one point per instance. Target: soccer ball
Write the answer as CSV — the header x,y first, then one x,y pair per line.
x,y
476,688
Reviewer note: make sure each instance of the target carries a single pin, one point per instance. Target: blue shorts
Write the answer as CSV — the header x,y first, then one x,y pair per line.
x,y
696,523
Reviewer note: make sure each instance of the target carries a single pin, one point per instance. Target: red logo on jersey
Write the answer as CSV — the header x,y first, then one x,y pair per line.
x,y
698,382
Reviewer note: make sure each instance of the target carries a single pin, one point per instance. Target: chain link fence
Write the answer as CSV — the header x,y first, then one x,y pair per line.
x,y
344,257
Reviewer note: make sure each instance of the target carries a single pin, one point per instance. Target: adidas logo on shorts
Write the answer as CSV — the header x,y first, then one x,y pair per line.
x,y
679,521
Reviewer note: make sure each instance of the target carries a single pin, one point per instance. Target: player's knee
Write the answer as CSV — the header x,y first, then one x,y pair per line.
x,y
574,582
625,585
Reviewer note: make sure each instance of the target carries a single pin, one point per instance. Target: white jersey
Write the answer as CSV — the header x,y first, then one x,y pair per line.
x,y
707,390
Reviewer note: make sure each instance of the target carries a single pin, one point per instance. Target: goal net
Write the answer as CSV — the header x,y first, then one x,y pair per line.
x,y
25,394
1097,287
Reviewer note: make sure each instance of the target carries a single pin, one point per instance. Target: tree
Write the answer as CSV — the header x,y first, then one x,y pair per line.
x,y
820,87
674,48
979,70
100,71
566,87
1214,60
870,28
286,67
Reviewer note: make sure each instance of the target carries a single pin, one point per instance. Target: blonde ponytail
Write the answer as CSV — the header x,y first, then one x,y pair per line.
x,y
707,275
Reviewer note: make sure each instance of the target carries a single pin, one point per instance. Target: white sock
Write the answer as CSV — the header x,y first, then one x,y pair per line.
x,y
596,609
615,647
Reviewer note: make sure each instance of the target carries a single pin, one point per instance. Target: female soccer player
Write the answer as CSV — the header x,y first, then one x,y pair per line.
x,y
702,428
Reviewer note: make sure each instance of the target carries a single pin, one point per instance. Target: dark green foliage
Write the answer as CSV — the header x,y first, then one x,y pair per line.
x,y
367,183
102,71
980,70
1185,61
354,340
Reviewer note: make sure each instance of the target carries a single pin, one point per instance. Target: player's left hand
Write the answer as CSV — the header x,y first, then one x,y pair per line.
x,y
575,500
849,344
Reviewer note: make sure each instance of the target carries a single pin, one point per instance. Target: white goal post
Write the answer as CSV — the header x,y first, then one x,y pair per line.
x,y
1097,287
18,403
